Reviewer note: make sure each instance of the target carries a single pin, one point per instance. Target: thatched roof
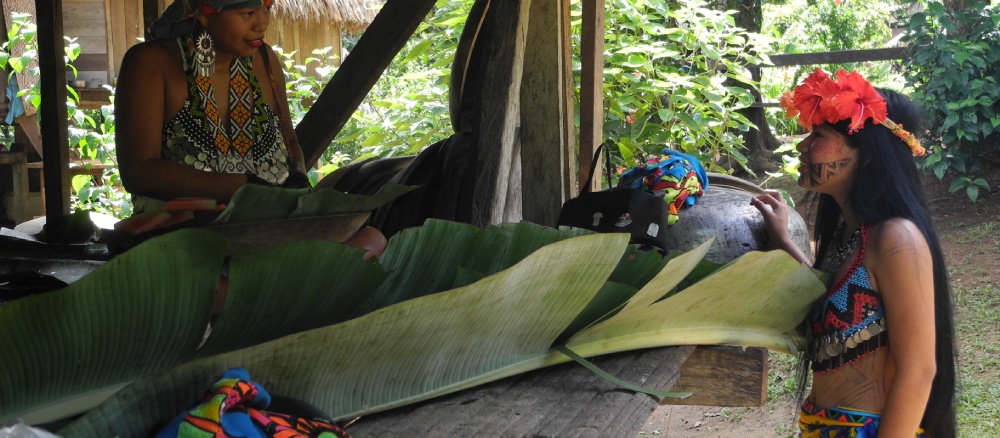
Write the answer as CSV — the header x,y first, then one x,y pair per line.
x,y
353,15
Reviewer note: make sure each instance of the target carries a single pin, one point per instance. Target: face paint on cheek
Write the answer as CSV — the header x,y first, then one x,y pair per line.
x,y
821,173
827,149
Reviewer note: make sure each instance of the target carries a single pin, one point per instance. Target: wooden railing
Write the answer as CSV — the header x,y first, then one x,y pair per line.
x,y
835,57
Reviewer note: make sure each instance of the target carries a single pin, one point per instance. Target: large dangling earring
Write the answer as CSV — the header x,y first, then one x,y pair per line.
x,y
204,55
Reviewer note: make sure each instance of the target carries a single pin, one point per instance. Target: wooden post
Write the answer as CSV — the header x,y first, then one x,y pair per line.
x,y
591,90
55,141
383,39
499,111
570,182
545,114
18,208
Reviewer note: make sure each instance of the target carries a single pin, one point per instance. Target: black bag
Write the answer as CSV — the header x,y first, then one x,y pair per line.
x,y
618,210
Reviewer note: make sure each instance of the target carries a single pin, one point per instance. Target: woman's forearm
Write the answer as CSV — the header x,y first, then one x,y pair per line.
x,y
162,179
905,402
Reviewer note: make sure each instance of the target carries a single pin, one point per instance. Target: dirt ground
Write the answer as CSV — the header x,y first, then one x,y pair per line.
x,y
969,239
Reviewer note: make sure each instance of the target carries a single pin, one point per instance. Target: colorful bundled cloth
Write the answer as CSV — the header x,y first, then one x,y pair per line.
x,y
234,408
679,178
839,422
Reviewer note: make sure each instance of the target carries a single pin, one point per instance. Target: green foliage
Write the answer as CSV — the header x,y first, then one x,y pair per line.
x,y
674,77
92,137
667,65
955,64
803,26
808,26
407,108
91,133
303,85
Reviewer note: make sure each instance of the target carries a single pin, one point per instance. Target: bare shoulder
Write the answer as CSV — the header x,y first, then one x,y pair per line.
x,y
162,56
896,236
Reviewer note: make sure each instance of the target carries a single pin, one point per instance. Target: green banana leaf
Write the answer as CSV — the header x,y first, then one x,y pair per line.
x,y
109,329
451,298
758,300
261,303
500,326
257,203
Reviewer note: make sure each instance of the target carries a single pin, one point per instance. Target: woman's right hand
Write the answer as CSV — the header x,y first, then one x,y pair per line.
x,y
774,210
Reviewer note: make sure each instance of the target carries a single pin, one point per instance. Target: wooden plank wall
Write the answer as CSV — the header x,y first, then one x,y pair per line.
x,y
85,21
303,38
126,28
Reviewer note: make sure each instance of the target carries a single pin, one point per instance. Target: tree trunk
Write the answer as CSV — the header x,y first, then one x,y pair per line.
x,y
759,142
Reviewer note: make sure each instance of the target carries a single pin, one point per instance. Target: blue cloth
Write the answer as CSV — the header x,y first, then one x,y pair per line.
x,y
15,108
673,164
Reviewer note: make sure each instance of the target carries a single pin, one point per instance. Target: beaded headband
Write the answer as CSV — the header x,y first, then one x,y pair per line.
x,y
822,99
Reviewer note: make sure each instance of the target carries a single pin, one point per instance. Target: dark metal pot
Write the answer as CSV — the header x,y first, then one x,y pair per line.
x,y
725,212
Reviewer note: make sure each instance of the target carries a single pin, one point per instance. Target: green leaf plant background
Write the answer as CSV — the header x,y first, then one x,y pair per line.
x,y
447,307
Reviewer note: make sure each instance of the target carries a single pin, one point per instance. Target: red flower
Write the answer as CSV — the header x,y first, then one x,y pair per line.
x,y
857,100
811,97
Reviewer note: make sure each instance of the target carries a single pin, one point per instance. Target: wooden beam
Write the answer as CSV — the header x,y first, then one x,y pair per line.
x,y
591,90
743,382
501,67
838,57
380,43
544,115
52,69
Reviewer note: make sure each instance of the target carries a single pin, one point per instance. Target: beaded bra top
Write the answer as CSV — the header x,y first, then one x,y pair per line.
x,y
251,143
849,322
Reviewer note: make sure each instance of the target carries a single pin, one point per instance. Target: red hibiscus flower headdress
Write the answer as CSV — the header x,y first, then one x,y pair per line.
x,y
822,99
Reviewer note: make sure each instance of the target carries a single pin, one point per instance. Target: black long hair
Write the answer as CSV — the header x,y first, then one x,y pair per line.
x,y
887,186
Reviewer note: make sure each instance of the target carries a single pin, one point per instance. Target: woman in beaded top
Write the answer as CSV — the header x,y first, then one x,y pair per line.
x,y
881,347
201,110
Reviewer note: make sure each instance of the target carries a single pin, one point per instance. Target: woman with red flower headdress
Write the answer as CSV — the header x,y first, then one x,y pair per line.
x,y
881,340
201,110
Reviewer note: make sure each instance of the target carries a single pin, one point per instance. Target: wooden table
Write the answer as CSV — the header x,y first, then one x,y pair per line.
x,y
569,401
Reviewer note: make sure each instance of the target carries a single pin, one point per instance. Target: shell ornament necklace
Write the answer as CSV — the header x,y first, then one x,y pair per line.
x,y
840,250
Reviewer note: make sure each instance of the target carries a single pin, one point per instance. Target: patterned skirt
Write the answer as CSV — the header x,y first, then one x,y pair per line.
x,y
839,422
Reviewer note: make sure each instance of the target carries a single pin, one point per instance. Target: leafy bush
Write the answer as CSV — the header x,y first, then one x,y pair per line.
x,y
802,26
955,64
666,62
91,134
407,108
669,70
303,89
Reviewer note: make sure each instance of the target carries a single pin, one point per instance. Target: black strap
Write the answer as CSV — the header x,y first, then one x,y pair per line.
x,y
593,165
